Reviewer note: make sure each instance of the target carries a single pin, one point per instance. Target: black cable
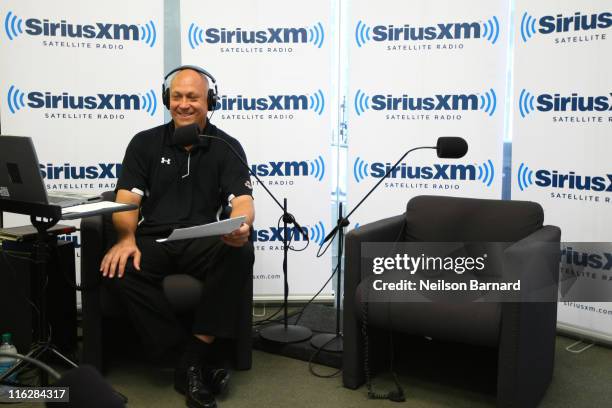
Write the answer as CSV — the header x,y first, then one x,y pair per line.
x,y
299,312
319,253
397,395
315,295
34,361
277,320
269,318
314,355
301,249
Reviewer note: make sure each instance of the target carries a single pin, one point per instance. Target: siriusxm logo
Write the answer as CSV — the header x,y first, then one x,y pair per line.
x,y
198,36
488,30
315,233
68,171
555,179
559,103
17,100
14,27
486,102
314,168
485,172
563,24
602,261
314,102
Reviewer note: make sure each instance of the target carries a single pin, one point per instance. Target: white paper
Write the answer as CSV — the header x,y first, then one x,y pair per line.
x,y
206,230
85,208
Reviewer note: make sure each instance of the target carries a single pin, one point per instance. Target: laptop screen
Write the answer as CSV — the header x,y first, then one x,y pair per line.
x,y
20,177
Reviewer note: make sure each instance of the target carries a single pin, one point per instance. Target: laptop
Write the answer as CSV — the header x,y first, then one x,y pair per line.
x,y
20,178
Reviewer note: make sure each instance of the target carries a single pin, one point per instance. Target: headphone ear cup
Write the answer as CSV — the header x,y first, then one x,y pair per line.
x,y
165,97
211,100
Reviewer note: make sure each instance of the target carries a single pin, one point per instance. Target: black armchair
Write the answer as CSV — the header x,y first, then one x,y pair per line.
x,y
522,332
101,304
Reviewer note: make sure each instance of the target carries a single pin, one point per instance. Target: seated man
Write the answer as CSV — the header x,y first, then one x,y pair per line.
x,y
181,186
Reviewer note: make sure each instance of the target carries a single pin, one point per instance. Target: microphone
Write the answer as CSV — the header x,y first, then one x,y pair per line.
x,y
186,135
451,147
190,134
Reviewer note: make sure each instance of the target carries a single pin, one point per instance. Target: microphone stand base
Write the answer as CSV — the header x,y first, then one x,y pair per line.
x,y
328,342
280,333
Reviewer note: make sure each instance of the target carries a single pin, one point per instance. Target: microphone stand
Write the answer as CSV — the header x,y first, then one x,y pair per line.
x,y
333,341
280,333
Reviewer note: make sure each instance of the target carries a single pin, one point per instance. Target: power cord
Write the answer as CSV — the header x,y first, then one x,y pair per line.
x,y
314,355
395,396
301,312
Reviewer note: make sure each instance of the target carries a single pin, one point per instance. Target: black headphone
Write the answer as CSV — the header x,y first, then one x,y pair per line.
x,y
212,97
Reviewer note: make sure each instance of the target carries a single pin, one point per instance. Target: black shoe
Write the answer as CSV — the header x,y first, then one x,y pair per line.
x,y
198,393
218,378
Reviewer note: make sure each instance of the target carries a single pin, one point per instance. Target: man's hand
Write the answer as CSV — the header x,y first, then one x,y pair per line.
x,y
115,259
238,237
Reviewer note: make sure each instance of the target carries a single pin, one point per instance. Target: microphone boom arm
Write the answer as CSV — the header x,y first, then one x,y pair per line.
x,y
344,221
290,218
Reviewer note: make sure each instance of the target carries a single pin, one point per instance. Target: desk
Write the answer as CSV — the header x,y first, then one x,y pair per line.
x,y
43,217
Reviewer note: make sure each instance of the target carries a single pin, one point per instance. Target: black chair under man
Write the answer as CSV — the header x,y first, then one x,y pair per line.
x,y
103,310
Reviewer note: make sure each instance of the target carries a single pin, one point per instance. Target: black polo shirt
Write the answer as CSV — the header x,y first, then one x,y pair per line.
x,y
182,188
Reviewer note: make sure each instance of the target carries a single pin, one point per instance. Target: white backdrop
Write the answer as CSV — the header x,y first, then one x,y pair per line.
x,y
561,139
81,79
420,70
272,62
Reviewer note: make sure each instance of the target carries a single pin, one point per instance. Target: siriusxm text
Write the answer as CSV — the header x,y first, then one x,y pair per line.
x,y
270,102
574,102
287,168
571,180
602,260
435,172
277,234
68,171
576,22
267,36
106,31
435,102
65,100
450,31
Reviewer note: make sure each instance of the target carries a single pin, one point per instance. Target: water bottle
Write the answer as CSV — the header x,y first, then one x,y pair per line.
x,y
7,362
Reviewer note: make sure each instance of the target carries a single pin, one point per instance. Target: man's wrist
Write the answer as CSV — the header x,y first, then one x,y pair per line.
x,y
127,238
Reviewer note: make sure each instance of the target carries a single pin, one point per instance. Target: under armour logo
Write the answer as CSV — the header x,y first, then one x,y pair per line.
x,y
165,161
248,185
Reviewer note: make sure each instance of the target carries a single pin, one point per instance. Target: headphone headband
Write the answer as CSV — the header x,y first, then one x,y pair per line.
x,y
194,68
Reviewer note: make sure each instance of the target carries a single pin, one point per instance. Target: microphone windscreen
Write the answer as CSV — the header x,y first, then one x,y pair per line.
x,y
451,147
87,389
186,135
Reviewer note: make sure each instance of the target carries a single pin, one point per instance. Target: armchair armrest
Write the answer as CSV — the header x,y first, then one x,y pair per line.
x,y
535,261
528,329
